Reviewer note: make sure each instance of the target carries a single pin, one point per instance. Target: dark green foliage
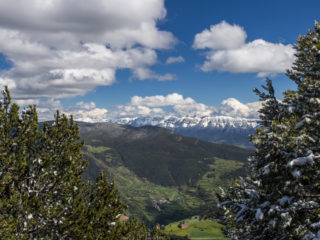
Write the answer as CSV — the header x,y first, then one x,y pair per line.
x,y
231,175
135,230
42,193
280,198
157,234
271,107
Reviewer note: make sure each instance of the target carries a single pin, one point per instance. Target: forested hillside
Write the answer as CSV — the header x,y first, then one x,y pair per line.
x,y
162,176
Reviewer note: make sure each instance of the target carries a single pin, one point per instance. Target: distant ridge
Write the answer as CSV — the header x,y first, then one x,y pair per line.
x,y
223,129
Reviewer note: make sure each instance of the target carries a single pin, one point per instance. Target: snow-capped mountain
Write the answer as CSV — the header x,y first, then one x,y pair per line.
x,y
219,122
215,128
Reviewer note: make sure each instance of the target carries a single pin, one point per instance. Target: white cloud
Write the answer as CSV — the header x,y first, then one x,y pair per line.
x,y
257,56
178,59
81,111
176,105
233,108
52,104
161,101
146,35
193,110
87,112
232,54
47,109
101,21
57,47
136,111
7,82
145,73
220,36
26,102
150,106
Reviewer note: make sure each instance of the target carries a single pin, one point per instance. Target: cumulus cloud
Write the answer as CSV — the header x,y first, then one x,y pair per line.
x,y
132,111
193,110
65,48
179,106
257,56
171,60
87,112
173,104
233,108
81,111
161,101
229,52
26,102
220,36
145,73
101,21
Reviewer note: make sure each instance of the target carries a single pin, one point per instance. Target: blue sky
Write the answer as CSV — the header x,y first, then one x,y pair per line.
x,y
93,60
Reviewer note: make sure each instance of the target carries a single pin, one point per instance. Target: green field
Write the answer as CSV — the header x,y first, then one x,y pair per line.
x,y
97,149
197,230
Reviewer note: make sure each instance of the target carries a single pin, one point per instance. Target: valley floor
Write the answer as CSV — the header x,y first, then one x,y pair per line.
x,y
196,230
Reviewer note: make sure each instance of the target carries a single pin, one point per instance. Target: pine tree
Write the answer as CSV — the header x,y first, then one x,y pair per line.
x,y
42,193
157,234
280,199
135,230
105,210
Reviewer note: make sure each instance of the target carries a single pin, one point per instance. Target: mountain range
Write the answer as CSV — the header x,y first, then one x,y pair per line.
x,y
220,129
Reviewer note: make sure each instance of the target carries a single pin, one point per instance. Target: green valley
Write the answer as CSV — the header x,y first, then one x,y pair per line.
x,y
162,176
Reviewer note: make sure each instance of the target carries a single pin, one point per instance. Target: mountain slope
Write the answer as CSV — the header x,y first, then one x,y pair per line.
x,y
158,154
162,176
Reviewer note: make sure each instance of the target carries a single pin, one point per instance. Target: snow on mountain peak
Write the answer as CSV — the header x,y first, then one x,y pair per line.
x,y
173,122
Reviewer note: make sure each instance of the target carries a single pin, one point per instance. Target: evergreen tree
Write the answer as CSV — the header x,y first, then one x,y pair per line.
x,y
157,234
42,193
280,199
135,230
105,210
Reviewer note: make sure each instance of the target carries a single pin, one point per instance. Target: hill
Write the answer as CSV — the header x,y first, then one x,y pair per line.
x,y
163,176
157,154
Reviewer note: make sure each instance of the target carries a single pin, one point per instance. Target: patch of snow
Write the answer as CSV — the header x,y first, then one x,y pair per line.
x,y
284,215
296,173
259,214
285,199
301,161
315,225
265,204
266,170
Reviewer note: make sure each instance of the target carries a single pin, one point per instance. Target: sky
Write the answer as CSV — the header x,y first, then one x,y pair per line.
x,y
103,59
